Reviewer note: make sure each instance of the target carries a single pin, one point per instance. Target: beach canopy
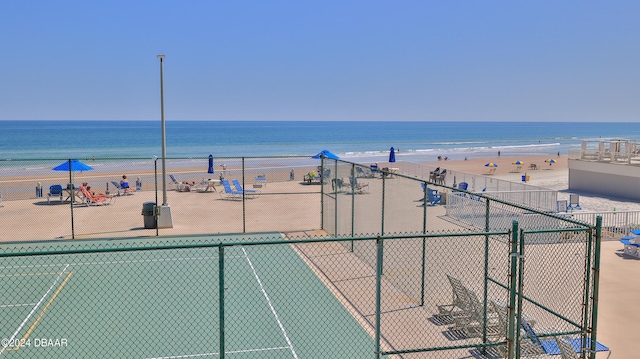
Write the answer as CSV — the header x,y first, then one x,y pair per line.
x,y
392,155
210,170
491,164
73,165
326,154
550,160
519,163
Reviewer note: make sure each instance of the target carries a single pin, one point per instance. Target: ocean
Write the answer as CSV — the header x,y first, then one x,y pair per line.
x,y
354,141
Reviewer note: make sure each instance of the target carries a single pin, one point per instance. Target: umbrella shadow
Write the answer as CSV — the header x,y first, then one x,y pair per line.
x,y
51,203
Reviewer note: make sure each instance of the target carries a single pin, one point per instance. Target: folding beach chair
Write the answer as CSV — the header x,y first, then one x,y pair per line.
x,y
460,303
574,201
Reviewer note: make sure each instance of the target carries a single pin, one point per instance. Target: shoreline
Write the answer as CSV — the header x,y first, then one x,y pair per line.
x,y
20,185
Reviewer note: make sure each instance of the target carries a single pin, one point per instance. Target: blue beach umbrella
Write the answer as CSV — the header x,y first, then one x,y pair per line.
x,y
519,163
210,170
326,154
73,165
392,155
491,164
550,161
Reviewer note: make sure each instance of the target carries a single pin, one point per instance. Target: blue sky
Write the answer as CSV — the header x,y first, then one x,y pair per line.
x,y
321,60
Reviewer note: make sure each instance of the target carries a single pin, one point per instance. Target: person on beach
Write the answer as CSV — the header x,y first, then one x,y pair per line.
x,y
95,194
123,182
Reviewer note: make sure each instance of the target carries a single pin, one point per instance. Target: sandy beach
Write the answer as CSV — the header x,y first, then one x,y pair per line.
x,y
554,176
620,276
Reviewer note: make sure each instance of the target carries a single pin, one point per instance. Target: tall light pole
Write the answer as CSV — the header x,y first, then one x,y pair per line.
x,y
164,140
164,214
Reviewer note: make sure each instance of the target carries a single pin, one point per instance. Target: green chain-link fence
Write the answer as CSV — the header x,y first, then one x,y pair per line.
x,y
374,273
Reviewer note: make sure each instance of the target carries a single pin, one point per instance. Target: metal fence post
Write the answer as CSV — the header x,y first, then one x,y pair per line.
x,y
596,288
353,207
380,249
155,177
321,194
519,290
221,299
72,198
424,243
335,215
382,205
586,301
244,204
511,332
485,289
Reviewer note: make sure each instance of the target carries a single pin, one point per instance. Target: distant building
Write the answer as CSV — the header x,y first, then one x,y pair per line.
x,y
607,167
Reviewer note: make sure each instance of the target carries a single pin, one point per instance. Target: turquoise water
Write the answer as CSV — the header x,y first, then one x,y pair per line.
x,y
417,141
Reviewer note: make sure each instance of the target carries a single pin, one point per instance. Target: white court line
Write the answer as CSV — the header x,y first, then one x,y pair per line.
x,y
4,347
119,262
273,310
216,353
16,305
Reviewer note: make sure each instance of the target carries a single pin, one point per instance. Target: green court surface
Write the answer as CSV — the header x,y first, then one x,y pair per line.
x,y
165,303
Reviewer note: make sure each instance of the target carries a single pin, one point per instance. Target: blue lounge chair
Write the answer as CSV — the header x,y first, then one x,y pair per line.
x,y
551,347
631,246
233,194
125,190
55,191
247,192
433,197
463,186
569,347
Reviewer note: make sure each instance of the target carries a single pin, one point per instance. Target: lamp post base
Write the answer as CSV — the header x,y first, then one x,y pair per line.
x,y
164,217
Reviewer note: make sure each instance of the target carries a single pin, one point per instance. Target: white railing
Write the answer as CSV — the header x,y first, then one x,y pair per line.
x,y
540,198
615,225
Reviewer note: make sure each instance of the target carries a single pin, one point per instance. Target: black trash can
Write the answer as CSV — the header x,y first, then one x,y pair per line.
x,y
148,211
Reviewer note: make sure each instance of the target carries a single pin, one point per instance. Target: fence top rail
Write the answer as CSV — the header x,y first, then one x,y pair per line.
x,y
131,248
538,190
